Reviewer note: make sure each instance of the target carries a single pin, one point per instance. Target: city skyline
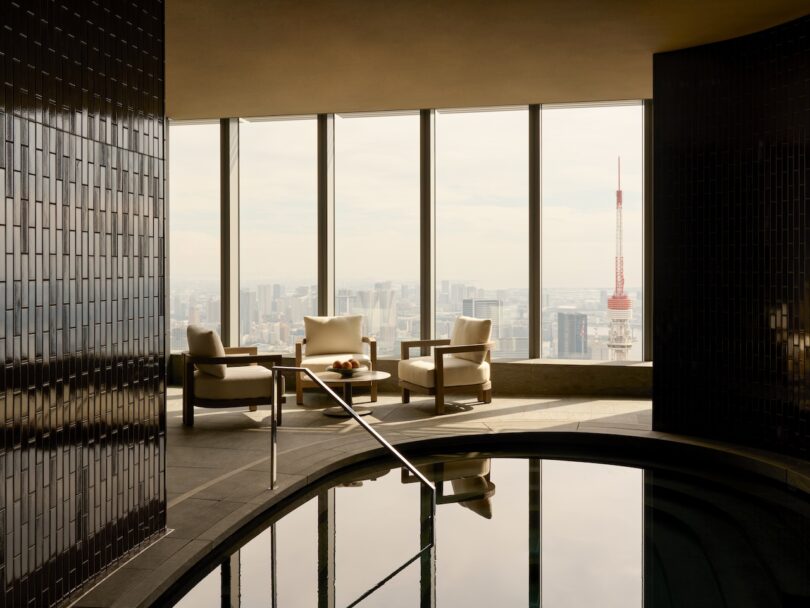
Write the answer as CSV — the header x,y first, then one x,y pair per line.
x,y
511,338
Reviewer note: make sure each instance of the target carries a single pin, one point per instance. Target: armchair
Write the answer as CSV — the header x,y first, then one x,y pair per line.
x,y
225,377
329,339
459,364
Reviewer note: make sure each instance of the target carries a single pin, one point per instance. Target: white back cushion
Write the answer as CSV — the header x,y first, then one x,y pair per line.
x,y
204,342
334,334
468,330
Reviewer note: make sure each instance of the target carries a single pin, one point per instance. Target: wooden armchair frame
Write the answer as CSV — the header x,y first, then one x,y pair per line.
x,y
441,348
301,382
234,357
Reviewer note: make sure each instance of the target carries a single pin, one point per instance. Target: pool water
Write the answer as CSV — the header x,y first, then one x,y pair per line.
x,y
521,531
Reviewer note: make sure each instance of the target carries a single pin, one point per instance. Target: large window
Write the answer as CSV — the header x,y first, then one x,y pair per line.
x,y
590,284
194,228
377,225
278,231
482,251
588,313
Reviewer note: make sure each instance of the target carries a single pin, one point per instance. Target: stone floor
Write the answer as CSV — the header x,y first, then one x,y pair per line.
x,y
217,474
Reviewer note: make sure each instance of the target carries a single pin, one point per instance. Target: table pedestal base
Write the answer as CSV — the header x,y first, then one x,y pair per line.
x,y
339,412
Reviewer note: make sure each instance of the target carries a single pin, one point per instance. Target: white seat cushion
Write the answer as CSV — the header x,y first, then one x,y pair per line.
x,y
457,372
248,382
319,363
204,342
334,334
469,330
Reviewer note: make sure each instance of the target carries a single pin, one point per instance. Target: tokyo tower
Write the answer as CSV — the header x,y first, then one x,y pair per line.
x,y
620,307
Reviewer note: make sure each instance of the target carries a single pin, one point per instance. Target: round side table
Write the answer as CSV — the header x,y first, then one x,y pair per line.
x,y
335,378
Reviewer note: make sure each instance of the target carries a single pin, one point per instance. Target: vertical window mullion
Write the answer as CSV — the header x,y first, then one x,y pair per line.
x,y
326,214
535,232
427,223
647,222
229,229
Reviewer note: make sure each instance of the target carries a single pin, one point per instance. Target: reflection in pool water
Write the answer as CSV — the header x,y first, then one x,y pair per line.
x,y
512,532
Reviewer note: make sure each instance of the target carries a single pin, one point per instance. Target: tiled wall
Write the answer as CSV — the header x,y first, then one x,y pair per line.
x,y
732,240
82,290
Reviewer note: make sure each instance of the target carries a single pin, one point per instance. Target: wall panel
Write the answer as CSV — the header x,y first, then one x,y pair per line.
x,y
82,218
732,240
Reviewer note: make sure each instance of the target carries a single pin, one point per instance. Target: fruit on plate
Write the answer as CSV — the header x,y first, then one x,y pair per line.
x,y
346,365
336,364
354,363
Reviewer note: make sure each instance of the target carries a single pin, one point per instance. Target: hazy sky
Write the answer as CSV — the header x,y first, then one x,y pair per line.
x,y
481,198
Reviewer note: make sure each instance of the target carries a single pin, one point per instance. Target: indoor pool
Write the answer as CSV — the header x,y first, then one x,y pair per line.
x,y
523,531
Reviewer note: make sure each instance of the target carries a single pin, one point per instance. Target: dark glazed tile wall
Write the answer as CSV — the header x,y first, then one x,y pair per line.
x,y
732,240
82,221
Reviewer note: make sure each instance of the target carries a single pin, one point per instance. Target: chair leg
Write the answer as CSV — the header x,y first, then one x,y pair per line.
x,y
299,391
487,396
188,413
253,408
439,400
406,395
373,392
480,394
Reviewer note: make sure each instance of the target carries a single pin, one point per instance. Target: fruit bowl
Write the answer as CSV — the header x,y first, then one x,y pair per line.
x,y
347,372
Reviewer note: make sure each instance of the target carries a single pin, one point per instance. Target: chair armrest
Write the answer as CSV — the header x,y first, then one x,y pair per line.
x,y
241,350
407,345
234,359
463,348
372,347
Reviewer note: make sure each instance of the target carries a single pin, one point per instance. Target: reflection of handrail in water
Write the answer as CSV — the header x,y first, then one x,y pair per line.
x,y
390,576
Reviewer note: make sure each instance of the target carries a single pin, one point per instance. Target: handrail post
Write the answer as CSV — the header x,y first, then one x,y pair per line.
x,y
277,395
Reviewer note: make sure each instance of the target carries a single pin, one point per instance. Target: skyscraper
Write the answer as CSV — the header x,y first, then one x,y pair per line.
x,y
248,310
572,335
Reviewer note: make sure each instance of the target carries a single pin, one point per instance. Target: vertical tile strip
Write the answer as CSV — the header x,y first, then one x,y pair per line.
x,y
82,236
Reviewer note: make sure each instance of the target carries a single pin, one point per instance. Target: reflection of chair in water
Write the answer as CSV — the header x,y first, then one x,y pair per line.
x,y
469,478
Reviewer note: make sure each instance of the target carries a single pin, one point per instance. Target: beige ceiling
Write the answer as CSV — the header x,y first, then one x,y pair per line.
x,y
281,57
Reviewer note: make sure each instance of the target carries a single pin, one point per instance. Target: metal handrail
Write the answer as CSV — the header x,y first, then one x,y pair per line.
x,y
368,428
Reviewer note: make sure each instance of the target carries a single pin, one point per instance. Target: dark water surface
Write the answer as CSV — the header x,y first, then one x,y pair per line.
x,y
528,532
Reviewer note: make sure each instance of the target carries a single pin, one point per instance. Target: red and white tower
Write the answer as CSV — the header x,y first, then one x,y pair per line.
x,y
620,307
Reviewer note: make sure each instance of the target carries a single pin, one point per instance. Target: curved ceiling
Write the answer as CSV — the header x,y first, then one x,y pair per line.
x,y
282,57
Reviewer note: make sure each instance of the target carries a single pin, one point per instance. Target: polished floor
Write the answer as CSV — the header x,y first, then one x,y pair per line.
x,y
218,472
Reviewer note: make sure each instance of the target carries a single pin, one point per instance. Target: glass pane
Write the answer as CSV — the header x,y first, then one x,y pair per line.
x,y
592,535
482,244
193,228
278,189
585,297
377,225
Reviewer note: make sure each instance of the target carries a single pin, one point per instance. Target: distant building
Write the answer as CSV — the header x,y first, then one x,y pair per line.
x,y
248,310
485,309
572,335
